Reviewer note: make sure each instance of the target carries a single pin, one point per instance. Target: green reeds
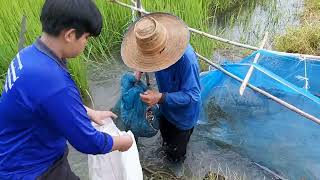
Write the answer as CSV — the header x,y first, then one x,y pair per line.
x,y
11,14
116,20
306,38
303,40
100,49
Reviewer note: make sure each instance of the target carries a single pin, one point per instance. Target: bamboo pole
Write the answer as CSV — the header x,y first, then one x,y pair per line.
x,y
255,60
131,7
139,7
301,56
222,39
276,99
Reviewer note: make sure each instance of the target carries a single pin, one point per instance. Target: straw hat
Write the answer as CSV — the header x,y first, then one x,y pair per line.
x,y
154,42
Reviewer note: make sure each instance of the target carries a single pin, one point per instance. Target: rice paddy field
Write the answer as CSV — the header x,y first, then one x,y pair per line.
x,y
207,15
115,21
106,47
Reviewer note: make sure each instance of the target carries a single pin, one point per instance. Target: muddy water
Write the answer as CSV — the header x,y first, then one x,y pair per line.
x,y
249,22
204,153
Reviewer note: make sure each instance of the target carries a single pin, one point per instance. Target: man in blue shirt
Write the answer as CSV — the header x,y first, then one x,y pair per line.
x,y
159,42
41,107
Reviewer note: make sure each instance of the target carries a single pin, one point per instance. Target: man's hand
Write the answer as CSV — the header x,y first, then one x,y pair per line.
x,y
122,143
151,97
99,116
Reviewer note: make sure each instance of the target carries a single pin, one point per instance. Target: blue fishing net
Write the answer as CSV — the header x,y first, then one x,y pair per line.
x,y
135,115
256,126
252,125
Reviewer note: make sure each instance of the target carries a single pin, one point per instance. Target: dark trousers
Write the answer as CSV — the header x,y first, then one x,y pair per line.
x,y
175,141
60,170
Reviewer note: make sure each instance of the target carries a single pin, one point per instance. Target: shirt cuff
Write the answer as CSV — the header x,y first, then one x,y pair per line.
x,y
108,143
163,98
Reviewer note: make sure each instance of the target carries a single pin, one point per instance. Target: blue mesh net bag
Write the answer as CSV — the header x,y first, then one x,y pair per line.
x,y
135,115
256,126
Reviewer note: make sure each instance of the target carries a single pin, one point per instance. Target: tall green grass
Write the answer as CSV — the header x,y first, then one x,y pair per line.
x,y
115,21
102,49
306,38
196,14
311,14
11,13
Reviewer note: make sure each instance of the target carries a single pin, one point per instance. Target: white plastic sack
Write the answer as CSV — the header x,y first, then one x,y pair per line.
x,y
115,165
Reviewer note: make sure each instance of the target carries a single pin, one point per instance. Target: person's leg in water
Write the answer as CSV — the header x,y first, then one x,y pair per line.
x,y
175,141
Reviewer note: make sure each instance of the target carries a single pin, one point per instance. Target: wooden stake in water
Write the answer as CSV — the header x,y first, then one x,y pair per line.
x,y
139,7
23,30
256,58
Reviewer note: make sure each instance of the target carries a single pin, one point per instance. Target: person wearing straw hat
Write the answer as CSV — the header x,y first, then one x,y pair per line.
x,y
41,107
159,42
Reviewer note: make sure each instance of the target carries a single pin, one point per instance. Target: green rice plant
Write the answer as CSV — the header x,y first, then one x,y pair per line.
x,y
115,21
11,13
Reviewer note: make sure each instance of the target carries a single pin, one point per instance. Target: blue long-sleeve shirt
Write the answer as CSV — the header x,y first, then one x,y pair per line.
x,y
180,82
40,109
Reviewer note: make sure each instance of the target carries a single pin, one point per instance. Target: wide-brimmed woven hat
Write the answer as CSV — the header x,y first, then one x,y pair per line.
x,y
155,42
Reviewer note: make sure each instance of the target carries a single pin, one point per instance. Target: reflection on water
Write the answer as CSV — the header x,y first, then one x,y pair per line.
x,y
248,21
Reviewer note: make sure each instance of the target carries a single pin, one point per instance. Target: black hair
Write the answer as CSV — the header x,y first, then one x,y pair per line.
x,y
81,15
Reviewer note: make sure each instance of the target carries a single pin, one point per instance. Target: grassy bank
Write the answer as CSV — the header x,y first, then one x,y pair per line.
x,y
306,38
311,13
